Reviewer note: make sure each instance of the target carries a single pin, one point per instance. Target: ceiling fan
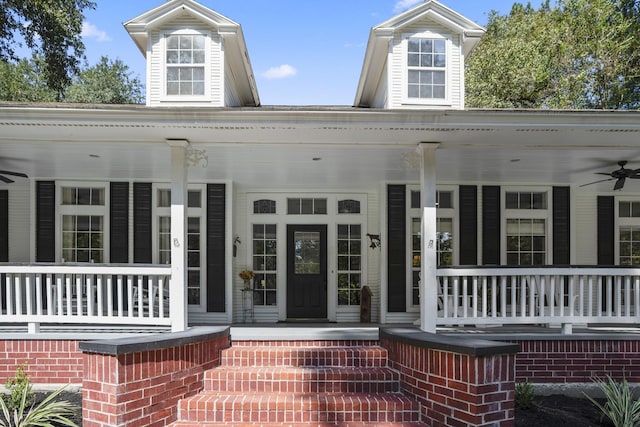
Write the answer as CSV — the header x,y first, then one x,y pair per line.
x,y
620,175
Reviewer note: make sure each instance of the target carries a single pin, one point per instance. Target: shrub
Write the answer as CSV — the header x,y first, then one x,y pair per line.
x,y
17,386
619,407
18,409
524,395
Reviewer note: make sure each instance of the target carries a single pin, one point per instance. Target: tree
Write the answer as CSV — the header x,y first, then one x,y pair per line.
x,y
51,29
108,82
24,81
577,54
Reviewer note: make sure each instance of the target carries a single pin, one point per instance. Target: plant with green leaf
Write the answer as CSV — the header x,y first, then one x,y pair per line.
x,y
18,408
524,395
19,386
620,406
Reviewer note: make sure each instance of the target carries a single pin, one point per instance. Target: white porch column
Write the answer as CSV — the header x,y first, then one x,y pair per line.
x,y
428,279
178,290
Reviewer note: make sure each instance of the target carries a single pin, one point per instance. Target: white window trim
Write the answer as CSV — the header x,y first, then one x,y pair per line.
x,y
622,222
452,213
200,212
406,100
546,214
282,219
207,66
83,210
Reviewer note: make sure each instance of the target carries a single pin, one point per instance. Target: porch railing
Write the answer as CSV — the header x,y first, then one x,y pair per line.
x,y
84,294
550,295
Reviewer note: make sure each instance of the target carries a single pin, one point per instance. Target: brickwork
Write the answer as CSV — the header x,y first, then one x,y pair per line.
x,y
309,383
577,360
143,388
46,361
456,389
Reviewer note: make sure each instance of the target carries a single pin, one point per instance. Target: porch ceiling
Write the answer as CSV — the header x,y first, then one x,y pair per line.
x,y
269,148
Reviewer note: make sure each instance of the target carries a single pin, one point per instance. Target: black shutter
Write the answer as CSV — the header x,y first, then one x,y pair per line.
x,y
606,231
468,208
4,225
142,199
396,248
45,221
216,243
491,225
561,223
119,222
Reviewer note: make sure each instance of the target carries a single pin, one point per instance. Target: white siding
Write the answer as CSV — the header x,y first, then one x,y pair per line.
x,y
19,221
382,91
231,98
397,67
155,63
584,212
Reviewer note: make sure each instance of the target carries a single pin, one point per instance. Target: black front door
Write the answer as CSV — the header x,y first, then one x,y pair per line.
x,y
306,271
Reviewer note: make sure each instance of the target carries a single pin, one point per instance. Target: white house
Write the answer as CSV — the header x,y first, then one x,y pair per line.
x,y
145,215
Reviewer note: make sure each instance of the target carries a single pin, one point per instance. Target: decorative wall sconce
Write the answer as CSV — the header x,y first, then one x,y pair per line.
x,y
236,242
374,240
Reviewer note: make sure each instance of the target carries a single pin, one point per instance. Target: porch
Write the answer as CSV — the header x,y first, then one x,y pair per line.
x,y
61,297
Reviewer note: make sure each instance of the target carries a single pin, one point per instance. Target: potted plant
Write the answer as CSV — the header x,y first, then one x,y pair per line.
x,y
246,276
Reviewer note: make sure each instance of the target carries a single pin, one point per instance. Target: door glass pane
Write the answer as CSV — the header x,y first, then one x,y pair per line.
x,y
307,252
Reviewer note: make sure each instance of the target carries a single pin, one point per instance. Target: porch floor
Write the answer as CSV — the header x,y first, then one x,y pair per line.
x,y
322,331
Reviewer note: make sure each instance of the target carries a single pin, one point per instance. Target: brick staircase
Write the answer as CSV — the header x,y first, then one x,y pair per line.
x,y
301,384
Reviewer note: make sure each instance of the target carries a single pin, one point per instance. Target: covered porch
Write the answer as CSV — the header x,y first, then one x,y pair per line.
x,y
314,151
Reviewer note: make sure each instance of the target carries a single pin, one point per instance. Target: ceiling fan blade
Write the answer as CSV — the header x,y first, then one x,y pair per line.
x,y
603,173
619,184
6,180
22,175
595,182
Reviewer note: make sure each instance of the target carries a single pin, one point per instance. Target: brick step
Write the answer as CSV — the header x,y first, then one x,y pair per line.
x,y
310,424
357,356
298,408
285,379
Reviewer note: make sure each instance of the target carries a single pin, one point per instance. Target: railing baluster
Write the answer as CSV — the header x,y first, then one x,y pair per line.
x,y
18,293
456,295
120,296
51,304
79,307
100,295
627,296
161,297
140,296
485,297
130,294
503,296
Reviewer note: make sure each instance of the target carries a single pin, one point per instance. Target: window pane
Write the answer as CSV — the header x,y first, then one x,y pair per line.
x,y
439,46
293,206
635,209
624,209
511,200
194,199
172,57
445,199
413,60
320,206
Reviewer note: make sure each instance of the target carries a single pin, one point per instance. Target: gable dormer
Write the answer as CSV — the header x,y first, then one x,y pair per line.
x,y
416,59
195,57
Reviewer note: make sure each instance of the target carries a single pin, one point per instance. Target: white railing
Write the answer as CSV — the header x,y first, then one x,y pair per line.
x,y
84,294
561,296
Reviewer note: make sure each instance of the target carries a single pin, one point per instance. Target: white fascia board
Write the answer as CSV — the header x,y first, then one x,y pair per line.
x,y
237,54
374,61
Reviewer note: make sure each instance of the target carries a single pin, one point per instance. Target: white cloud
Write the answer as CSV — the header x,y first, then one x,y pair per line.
x,y
402,5
280,72
91,31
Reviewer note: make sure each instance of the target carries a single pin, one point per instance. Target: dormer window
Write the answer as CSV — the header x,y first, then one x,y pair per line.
x,y
185,64
427,68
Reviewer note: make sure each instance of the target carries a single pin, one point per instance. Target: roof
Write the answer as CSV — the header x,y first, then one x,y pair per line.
x,y
236,51
381,35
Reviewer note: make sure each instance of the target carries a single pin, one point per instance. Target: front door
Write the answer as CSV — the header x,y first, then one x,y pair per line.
x,y
306,271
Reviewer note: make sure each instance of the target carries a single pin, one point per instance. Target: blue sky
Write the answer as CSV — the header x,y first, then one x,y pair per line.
x,y
303,52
